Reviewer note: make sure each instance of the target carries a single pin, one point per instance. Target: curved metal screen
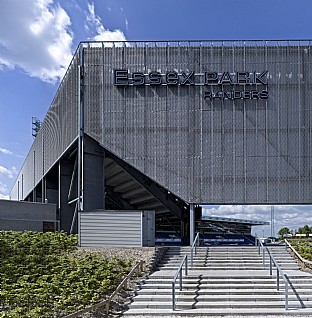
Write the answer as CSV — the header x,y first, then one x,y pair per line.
x,y
59,129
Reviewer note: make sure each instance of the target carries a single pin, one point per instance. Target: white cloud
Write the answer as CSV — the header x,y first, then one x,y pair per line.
x,y
4,197
35,36
3,187
6,172
102,34
6,151
9,173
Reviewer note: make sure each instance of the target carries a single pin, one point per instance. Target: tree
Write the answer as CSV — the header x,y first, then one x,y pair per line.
x,y
283,231
305,230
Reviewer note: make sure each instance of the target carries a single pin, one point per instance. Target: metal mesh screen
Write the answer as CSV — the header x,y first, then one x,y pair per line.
x,y
204,150
59,129
207,151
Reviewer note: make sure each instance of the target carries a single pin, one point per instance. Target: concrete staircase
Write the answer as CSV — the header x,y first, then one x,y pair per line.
x,y
283,258
223,281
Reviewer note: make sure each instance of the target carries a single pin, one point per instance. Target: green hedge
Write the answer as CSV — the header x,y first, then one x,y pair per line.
x,y
41,275
303,247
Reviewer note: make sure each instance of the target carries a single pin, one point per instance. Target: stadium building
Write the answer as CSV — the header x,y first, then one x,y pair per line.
x,y
171,126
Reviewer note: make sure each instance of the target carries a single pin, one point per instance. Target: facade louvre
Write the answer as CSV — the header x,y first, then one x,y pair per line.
x,y
205,151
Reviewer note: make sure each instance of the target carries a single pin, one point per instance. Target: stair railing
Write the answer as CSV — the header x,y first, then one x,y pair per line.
x,y
180,275
261,248
279,271
194,248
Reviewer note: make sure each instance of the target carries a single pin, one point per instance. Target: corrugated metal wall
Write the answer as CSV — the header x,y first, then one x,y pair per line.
x,y
115,228
207,151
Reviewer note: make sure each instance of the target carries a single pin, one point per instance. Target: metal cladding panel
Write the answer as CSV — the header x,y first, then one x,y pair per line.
x,y
110,228
208,150
59,129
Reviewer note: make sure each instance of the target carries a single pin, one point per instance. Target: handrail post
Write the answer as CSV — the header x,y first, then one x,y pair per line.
x,y
173,295
286,296
186,269
277,278
194,248
263,258
271,266
191,257
180,279
179,273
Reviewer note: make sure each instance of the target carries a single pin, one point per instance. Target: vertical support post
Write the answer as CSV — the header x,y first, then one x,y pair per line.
x,y
180,277
34,198
59,194
80,129
59,186
192,223
263,258
22,187
270,266
173,296
286,296
43,190
277,278
191,257
186,266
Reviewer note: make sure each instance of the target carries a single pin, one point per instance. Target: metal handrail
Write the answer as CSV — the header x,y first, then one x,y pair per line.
x,y
136,268
260,245
178,273
279,271
194,248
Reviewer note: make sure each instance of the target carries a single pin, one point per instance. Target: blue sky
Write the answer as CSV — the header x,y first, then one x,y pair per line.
x,y
38,38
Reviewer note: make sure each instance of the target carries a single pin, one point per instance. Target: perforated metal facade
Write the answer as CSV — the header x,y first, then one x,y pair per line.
x,y
59,129
220,150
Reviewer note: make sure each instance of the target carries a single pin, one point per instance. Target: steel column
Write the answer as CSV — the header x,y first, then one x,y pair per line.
x,y
192,224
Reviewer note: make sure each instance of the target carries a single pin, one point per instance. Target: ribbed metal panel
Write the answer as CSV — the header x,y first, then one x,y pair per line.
x,y
205,151
113,228
218,151
59,129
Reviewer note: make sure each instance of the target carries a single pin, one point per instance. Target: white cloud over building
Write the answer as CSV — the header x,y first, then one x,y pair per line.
x,y
101,33
35,36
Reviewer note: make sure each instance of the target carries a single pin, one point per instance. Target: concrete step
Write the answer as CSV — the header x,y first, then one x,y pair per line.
x,y
223,281
224,291
211,299
211,312
217,304
217,286
219,268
